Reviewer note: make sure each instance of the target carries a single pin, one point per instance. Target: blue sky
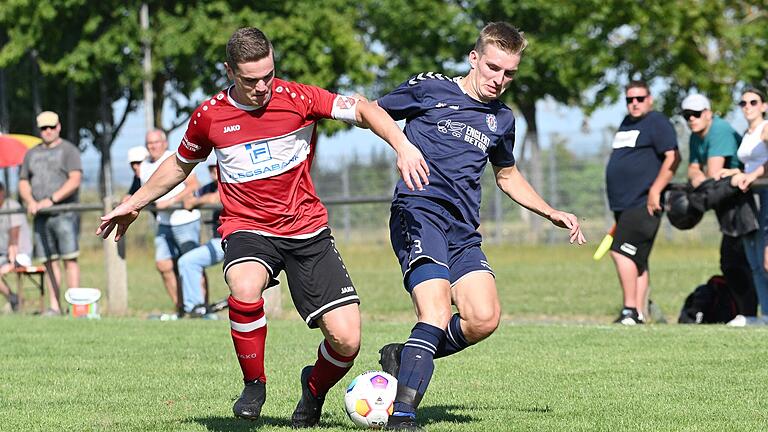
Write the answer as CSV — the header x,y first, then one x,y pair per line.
x,y
553,118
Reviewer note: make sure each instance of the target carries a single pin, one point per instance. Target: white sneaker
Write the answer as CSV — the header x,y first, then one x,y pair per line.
x,y
747,321
737,321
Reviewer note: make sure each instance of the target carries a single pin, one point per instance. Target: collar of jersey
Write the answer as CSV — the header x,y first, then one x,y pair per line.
x,y
457,80
238,105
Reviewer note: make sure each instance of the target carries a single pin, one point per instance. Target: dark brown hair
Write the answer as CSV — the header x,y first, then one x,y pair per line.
x,y
759,93
638,84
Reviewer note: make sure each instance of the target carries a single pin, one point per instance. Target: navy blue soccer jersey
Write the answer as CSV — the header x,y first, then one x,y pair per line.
x,y
457,136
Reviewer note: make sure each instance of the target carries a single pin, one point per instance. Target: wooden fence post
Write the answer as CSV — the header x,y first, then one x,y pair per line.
x,y
117,274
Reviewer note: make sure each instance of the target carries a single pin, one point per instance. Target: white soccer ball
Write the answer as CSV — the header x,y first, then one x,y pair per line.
x,y
370,399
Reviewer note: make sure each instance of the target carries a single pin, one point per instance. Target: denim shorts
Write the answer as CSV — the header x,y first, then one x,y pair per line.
x,y
57,236
173,241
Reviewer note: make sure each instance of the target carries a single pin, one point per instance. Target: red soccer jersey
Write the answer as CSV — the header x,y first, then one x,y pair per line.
x,y
265,156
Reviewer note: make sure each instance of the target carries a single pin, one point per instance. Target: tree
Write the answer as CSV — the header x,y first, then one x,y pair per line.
x,y
315,42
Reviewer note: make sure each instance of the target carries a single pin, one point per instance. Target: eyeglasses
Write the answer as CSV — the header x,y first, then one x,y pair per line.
x,y
753,102
639,99
687,114
47,127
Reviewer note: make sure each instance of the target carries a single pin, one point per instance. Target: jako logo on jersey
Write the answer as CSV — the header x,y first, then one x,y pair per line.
x,y
347,290
232,128
259,152
490,120
454,127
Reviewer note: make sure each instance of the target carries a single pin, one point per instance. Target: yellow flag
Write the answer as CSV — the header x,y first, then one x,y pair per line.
x,y
605,245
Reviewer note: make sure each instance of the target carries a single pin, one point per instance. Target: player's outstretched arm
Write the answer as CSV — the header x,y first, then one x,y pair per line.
x,y
410,162
512,182
169,174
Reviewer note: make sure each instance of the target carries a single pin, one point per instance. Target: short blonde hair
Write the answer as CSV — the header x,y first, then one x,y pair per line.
x,y
502,35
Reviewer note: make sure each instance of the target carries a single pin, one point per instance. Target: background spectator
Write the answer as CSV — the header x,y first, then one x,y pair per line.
x,y
193,263
643,161
753,152
51,174
15,243
178,231
713,146
136,155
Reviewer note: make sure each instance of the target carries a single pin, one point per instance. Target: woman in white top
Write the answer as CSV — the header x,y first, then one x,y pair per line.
x,y
753,153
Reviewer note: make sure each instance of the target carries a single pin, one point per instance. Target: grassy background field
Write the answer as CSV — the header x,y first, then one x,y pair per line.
x,y
556,362
140,375
551,283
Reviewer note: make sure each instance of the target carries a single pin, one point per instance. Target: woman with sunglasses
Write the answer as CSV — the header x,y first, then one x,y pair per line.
x,y
753,153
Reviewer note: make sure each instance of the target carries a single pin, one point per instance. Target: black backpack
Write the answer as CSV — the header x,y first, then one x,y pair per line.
x,y
709,304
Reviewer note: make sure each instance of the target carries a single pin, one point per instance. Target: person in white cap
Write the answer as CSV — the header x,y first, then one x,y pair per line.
x,y
51,174
713,142
136,155
713,152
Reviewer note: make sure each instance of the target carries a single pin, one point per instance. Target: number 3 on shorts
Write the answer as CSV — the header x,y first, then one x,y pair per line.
x,y
417,247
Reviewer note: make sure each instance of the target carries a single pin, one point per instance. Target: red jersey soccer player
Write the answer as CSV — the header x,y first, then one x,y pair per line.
x,y
263,132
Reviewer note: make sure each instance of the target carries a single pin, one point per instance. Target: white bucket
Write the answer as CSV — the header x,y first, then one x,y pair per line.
x,y
84,302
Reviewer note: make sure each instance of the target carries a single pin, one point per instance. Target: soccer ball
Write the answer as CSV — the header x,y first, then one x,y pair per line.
x,y
370,399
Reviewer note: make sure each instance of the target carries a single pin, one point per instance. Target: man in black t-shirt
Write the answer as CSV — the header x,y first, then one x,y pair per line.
x,y
643,161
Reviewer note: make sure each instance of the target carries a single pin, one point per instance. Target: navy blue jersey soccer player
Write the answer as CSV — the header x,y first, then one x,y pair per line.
x,y
459,125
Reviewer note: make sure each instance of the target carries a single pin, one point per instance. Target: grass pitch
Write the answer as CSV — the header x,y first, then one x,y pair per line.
x,y
139,375
554,364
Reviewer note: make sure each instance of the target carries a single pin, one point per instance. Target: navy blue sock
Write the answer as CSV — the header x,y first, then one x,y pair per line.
x,y
454,339
416,367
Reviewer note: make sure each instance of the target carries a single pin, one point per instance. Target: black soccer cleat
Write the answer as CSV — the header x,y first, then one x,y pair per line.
x,y
403,423
629,317
309,408
390,358
218,306
248,405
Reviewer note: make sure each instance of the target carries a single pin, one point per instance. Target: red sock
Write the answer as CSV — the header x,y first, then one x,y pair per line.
x,y
329,368
249,333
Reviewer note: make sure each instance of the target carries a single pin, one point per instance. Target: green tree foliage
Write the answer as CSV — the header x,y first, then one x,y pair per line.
x,y
315,42
83,53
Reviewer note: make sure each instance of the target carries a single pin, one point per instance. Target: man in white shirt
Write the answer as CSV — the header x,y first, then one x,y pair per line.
x,y
178,231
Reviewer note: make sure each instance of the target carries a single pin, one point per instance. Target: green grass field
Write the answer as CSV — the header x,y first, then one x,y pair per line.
x,y
554,364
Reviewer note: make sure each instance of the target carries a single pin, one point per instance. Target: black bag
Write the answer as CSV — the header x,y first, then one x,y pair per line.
x,y
709,304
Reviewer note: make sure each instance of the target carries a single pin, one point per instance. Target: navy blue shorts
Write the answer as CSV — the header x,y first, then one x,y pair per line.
x,y
423,229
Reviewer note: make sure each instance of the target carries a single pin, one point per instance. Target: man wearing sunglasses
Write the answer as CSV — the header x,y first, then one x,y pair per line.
x,y
50,175
713,154
713,141
643,161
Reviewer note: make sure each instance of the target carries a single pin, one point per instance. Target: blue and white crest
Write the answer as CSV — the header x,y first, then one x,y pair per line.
x,y
490,120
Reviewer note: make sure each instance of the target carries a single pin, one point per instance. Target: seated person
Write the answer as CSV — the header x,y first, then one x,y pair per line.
x,y
15,244
193,263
